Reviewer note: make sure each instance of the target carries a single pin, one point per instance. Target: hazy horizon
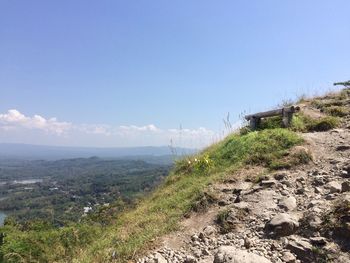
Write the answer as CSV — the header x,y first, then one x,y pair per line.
x,y
9,151
97,147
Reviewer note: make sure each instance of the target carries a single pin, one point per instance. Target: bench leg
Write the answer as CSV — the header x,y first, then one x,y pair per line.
x,y
287,119
254,123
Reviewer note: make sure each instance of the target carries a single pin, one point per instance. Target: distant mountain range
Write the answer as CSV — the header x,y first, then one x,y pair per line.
x,y
29,151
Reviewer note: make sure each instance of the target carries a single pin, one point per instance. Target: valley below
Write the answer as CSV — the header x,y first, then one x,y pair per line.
x,y
64,191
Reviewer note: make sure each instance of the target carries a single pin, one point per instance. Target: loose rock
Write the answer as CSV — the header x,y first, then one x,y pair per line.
x,y
282,225
288,257
345,187
334,187
289,203
158,258
302,249
229,254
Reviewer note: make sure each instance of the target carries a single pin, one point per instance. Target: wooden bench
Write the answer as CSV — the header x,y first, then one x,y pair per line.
x,y
286,113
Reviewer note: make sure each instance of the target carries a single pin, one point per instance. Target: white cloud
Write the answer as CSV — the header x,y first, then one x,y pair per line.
x,y
191,138
14,119
99,129
150,128
193,132
101,134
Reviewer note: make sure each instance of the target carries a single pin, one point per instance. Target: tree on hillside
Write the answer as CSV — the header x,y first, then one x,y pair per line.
x,y
345,83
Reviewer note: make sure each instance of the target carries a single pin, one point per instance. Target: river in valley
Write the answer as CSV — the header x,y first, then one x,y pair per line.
x,y
28,181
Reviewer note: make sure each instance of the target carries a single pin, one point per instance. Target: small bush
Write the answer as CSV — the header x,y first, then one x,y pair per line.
x,y
203,163
324,124
204,201
224,220
323,105
222,216
198,164
303,123
345,93
302,157
337,221
337,111
245,130
280,165
298,123
318,104
271,123
230,219
183,166
296,156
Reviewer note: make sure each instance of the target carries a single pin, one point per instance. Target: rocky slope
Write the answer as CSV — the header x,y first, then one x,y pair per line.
x,y
297,215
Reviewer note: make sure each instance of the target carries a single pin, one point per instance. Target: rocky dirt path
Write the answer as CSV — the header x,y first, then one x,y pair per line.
x,y
281,219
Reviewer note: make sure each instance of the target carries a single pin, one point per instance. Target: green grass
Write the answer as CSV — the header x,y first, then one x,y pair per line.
x,y
324,124
161,212
258,148
337,111
335,107
43,243
271,123
222,221
304,123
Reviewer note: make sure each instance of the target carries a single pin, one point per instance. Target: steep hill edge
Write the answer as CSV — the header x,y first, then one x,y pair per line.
x,y
293,215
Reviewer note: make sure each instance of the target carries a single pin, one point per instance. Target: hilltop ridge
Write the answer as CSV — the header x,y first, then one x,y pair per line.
x,y
271,195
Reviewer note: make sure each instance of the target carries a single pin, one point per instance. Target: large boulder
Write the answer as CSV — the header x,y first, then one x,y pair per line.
x,y
229,254
281,225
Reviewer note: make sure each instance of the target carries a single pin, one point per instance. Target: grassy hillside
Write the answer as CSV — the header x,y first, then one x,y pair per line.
x,y
161,212
137,228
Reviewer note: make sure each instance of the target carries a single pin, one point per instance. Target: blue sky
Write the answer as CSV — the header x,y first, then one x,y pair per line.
x,y
127,73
